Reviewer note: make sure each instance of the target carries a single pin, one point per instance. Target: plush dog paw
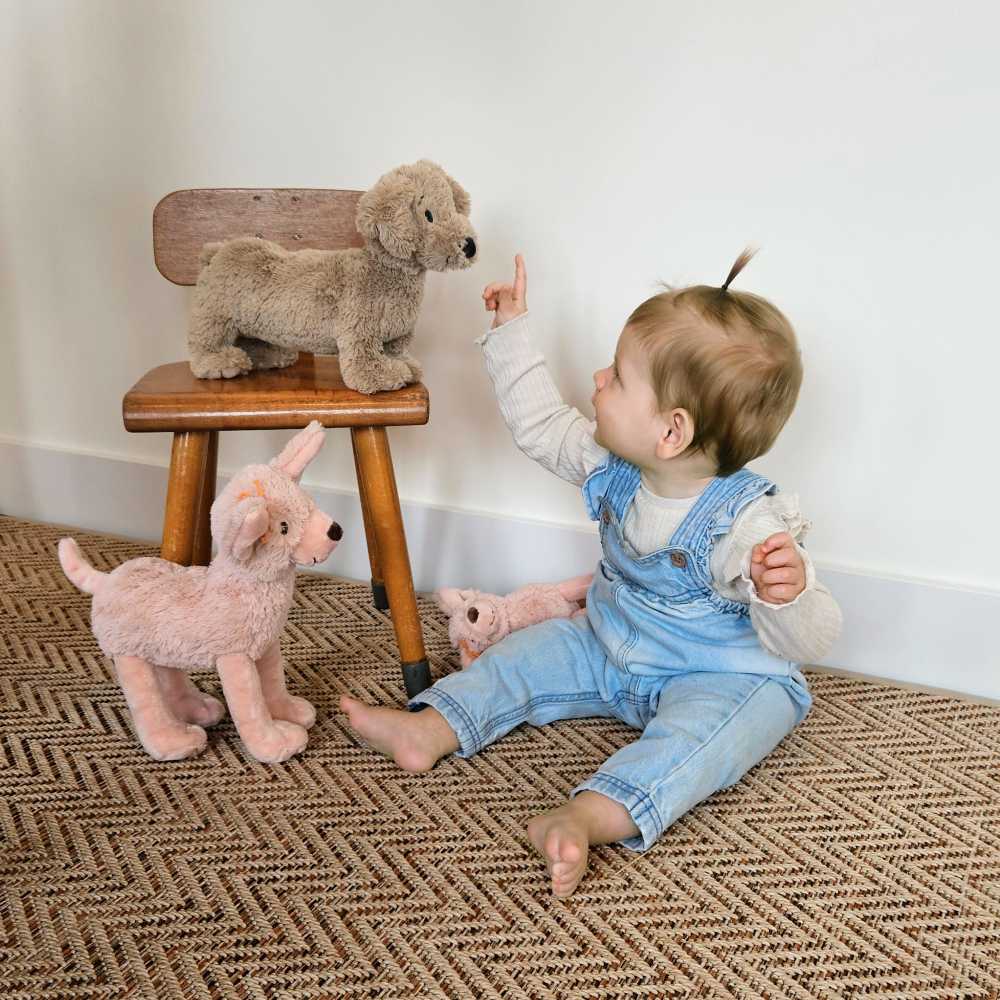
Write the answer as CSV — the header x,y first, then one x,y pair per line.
x,y
416,368
277,742
201,709
176,743
391,373
263,355
293,709
227,363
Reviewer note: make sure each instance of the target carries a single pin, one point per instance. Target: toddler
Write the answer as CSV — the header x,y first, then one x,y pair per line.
x,y
703,603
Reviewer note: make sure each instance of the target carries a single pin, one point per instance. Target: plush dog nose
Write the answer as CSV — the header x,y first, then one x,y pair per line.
x,y
334,532
469,247
473,615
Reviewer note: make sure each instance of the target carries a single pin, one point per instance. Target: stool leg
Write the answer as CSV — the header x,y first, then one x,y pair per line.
x,y
378,482
378,584
202,554
187,473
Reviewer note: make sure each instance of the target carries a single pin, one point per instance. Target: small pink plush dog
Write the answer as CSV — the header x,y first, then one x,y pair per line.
x,y
478,620
156,619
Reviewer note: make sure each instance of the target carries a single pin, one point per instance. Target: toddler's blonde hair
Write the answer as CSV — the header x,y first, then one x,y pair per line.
x,y
729,358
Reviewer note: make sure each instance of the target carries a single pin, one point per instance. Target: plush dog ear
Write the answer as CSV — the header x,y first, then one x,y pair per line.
x,y
462,201
251,520
300,451
385,214
458,193
448,599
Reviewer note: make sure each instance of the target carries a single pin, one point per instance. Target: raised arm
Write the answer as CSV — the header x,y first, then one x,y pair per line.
x,y
543,426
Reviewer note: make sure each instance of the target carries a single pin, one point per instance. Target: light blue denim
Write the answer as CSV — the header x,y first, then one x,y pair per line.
x,y
658,649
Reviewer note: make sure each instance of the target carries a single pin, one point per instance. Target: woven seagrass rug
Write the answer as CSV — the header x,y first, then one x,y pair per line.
x,y
862,859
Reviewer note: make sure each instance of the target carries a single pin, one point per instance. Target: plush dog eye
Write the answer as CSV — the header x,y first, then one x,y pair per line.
x,y
428,216
284,527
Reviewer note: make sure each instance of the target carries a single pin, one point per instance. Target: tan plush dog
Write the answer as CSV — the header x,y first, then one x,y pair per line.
x,y
155,619
257,305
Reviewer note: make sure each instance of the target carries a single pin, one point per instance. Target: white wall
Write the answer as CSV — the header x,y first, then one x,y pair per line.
x,y
613,144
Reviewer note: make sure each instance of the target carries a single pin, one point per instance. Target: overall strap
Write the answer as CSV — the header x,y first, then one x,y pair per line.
x,y
714,512
615,482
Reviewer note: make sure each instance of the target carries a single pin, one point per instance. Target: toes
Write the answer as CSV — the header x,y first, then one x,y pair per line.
x,y
351,708
565,855
560,849
566,875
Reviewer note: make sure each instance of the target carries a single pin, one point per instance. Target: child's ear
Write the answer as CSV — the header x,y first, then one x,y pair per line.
x,y
676,434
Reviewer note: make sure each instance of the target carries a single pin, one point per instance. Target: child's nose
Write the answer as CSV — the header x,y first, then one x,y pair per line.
x,y
600,376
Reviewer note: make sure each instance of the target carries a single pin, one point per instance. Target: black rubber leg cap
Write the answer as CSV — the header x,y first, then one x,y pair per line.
x,y
381,598
416,677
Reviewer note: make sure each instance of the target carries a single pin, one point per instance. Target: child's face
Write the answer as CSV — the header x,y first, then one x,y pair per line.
x,y
628,421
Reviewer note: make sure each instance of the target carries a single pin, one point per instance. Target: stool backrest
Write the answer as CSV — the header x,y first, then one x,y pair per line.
x,y
184,221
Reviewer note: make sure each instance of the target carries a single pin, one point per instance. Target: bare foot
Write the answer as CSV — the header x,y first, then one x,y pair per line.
x,y
416,741
562,840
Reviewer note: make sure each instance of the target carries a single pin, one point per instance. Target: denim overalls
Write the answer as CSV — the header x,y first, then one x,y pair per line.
x,y
658,649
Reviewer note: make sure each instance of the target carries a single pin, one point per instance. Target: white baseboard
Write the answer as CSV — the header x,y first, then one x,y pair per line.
x,y
917,632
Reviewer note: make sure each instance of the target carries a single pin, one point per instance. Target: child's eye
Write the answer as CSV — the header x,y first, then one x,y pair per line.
x,y
284,527
428,216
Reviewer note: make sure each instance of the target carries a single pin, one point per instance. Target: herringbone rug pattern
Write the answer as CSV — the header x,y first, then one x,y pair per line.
x,y
861,859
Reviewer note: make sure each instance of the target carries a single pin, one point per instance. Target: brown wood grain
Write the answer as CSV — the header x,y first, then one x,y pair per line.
x,y
170,398
366,515
201,552
188,462
184,221
378,486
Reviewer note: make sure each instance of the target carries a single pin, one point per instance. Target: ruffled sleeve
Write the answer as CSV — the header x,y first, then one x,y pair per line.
x,y
803,630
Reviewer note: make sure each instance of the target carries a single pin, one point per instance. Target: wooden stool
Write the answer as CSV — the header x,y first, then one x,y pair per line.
x,y
170,398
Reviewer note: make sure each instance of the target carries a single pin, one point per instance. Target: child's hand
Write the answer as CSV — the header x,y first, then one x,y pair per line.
x,y
777,569
507,301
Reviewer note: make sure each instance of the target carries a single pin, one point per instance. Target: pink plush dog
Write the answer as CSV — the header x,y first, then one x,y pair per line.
x,y
157,619
478,620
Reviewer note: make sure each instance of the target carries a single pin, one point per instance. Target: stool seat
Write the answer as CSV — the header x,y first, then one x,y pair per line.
x,y
170,398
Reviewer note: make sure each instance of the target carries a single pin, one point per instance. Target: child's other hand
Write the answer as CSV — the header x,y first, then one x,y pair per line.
x,y
777,569
507,301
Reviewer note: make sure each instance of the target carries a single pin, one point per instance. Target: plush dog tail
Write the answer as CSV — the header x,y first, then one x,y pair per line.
x,y
208,251
76,567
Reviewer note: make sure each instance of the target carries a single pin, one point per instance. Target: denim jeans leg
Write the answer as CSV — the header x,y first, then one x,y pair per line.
x,y
708,730
553,670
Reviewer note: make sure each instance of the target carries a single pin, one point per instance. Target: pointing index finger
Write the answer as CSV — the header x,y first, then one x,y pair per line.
x,y
520,278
